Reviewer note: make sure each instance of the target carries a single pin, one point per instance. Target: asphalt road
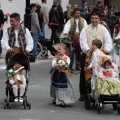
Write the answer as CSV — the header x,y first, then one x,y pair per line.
x,y
42,107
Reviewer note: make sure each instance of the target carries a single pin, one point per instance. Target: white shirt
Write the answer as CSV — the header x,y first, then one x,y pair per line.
x,y
29,40
67,26
18,77
107,40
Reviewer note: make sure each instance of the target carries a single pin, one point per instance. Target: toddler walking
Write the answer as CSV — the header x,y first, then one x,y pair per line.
x,y
61,87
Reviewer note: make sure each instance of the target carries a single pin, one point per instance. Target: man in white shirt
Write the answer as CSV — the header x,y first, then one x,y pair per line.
x,y
73,29
88,34
16,38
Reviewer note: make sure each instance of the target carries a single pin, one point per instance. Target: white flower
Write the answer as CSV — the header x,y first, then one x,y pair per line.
x,y
61,62
11,70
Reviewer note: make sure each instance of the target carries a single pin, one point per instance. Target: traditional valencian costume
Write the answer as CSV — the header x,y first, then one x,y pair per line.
x,y
116,52
107,81
61,87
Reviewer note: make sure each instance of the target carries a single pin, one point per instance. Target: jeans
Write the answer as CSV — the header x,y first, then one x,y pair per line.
x,y
35,39
43,28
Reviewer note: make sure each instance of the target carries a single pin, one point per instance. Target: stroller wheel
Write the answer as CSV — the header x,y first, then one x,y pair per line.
x,y
24,104
5,107
8,106
44,56
100,107
87,102
29,105
114,106
99,110
118,110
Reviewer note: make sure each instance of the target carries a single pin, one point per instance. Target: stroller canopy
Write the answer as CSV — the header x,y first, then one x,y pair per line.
x,y
21,59
66,40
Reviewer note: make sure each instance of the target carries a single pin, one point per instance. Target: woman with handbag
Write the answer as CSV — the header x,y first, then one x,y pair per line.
x,y
53,23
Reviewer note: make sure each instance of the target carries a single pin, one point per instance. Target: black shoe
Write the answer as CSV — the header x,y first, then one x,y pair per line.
x,y
81,98
54,102
62,105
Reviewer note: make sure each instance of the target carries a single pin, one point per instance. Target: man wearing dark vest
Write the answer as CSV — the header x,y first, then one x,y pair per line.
x,y
17,38
72,29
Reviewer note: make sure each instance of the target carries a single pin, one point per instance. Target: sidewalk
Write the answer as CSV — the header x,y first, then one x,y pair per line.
x,y
2,59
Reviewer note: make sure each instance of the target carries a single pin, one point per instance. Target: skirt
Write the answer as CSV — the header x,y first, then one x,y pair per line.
x,y
107,87
63,95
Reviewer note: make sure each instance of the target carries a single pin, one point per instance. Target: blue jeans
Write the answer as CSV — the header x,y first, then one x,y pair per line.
x,y
35,39
43,28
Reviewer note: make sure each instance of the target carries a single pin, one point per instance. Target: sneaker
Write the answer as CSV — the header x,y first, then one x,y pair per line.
x,y
16,99
21,99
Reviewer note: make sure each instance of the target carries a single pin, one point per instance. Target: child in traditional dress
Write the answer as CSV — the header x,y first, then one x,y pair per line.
x,y
61,87
18,81
107,81
106,71
116,52
94,64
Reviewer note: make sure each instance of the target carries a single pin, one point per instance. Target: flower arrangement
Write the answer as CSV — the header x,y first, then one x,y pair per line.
x,y
63,66
11,74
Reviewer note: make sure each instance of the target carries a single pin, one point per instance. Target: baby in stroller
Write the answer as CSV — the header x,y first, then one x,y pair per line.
x,y
17,83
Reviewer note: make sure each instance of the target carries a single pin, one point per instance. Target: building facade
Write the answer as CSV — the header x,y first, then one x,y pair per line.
x,y
19,7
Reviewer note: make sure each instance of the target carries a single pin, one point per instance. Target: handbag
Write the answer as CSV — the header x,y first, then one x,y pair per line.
x,y
54,19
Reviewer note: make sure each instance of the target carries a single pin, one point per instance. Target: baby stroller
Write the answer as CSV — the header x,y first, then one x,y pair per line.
x,y
24,61
104,98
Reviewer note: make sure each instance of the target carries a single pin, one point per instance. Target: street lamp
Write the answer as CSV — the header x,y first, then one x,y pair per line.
x,y
27,16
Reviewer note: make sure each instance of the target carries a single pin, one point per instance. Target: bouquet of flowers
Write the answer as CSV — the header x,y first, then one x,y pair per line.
x,y
62,66
11,74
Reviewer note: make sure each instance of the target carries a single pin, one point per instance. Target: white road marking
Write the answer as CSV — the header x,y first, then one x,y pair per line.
x,y
28,119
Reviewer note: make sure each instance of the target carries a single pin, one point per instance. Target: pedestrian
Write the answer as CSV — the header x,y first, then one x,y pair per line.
x,y
73,29
112,19
54,20
66,18
61,22
88,34
35,27
1,28
16,38
44,9
83,9
40,17
61,87
17,80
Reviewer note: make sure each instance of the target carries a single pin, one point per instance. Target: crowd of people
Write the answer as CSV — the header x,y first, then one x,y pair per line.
x,y
91,31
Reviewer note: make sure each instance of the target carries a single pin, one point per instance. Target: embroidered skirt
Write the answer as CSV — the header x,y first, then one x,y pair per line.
x,y
107,87
62,94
